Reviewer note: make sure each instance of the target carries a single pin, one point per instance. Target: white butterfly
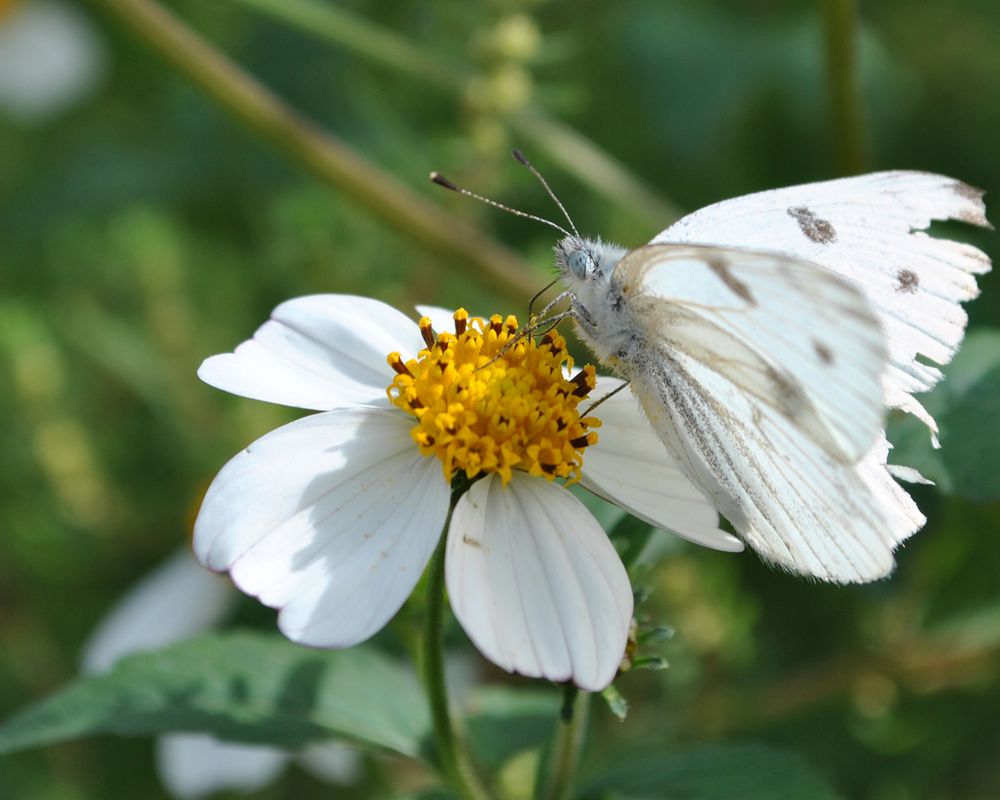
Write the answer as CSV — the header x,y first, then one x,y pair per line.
x,y
764,337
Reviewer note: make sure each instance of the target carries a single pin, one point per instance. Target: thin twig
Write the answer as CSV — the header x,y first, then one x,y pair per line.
x,y
569,148
849,128
319,152
381,45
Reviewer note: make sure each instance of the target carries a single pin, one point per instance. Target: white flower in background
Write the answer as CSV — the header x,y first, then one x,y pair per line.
x,y
332,518
50,58
176,601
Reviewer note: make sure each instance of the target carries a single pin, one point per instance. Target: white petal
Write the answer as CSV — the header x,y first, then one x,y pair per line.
x,y
180,598
333,762
632,468
320,352
197,765
330,518
536,583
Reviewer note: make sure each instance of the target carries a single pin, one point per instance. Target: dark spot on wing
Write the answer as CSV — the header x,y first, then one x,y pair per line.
x,y
907,281
825,353
972,212
968,192
790,398
720,268
815,229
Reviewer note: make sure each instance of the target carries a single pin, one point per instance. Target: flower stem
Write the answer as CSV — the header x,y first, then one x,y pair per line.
x,y
567,744
451,752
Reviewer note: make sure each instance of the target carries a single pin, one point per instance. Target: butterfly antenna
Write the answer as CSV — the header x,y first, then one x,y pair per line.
x,y
441,180
521,159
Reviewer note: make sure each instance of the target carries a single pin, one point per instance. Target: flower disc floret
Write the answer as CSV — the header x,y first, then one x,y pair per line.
x,y
487,399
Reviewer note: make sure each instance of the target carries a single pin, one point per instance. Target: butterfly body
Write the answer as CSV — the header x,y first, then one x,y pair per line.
x,y
586,267
765,337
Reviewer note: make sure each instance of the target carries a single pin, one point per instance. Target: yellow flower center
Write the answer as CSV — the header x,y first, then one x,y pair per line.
x,y
487,401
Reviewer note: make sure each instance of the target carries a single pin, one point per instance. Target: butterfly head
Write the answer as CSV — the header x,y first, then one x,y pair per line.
x,y
582,260
574,259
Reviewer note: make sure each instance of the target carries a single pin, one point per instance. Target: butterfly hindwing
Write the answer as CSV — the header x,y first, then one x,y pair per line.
x,y
762,376
786,496
787,333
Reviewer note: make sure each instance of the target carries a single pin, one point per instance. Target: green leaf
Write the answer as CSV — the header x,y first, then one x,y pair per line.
x,y
504,720
965,404
631,535
241,686
617,704
747,772
972,461
911,447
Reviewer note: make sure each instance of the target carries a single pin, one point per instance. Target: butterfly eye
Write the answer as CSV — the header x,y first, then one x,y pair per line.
x,y
577,263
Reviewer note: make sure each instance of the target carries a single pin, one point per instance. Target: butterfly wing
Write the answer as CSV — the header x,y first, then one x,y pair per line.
x,y
761,374
788,333
786,496
869,229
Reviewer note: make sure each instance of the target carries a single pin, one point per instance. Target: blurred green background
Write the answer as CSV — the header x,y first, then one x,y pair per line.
x,y
144,228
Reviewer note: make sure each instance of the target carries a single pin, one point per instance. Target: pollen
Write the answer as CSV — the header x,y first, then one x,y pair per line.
x,y
487,399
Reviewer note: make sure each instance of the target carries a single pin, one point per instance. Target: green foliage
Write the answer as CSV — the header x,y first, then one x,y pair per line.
x,y
241,687
971,459
144,229
505,720
748,772
966,405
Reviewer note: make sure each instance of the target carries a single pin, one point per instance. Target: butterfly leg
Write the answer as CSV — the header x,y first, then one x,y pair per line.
x,y
535,321
608,396
539,293
532,327
552,321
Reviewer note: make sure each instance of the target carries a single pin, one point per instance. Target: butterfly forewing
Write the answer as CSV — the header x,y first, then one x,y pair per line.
x,y
867,229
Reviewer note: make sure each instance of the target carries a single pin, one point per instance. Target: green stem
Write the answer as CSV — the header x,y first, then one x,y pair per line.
x,y
841,27
567,745
319,152
353,32
454,759
595,167
567,147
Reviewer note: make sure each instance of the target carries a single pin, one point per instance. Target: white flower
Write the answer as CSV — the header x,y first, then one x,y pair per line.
x,y
177,600
332,518
50,58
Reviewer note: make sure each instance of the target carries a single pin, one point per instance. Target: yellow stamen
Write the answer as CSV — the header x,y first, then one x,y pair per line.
x,y
427,331
396,362
481,412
